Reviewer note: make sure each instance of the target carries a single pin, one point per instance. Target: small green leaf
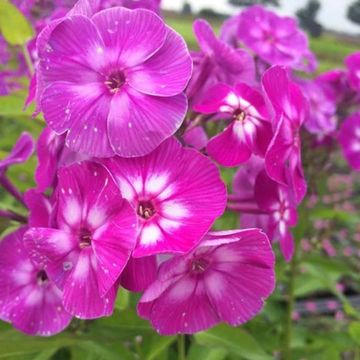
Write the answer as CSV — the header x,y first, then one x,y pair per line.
x,y
354,331
235,340
13,24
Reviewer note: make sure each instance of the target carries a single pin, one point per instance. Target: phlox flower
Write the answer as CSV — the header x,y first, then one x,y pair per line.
x,y
249,130
349,139
226,278
322,118
353,66
275,39
88,246
112,81
52,154
177,194
29,300
217,62
276,200
283,157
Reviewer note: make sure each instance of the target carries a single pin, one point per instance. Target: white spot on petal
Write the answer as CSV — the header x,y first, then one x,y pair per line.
x,y
150,234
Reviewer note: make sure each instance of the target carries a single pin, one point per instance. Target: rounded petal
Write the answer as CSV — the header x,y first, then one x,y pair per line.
x,y
81,291
139,273
167,72
230,147
144,121
81,109
132,35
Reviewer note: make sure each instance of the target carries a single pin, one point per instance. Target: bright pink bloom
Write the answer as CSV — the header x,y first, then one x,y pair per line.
x,y
275,39
249,130
283,157
217,62
95,234
28,299
226,279
177,193
112,82
349,139
353,64
277,202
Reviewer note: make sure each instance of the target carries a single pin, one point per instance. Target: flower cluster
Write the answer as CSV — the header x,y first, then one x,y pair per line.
x,y
128,185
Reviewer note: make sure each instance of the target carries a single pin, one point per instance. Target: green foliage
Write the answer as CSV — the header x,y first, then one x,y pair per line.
x,y
13,25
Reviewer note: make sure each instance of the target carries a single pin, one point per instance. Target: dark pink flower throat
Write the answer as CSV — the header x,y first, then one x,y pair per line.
x,y
115,81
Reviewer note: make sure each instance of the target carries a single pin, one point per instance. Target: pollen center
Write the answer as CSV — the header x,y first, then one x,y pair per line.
x,y
239,115
85,238
199,265
42,277
115,81
146,209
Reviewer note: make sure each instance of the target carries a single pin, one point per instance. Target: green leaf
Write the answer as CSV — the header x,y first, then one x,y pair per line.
x,y
354,331
13,24
199,352
122,300
158,344
235,340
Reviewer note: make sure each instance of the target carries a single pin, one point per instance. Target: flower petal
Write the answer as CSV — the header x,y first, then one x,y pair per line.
x,y
144,121
132,35
167,72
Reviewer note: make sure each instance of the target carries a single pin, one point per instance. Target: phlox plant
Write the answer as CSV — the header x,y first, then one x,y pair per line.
x,y
167,183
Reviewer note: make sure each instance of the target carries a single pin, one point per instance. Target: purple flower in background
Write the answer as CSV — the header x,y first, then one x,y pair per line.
x,y
349,139
226,278
353,65
217,62
112,82
29,300
249,130
195,137
275,39
276,200
177,193
20,153
283,157
92,242
53,154
336,86
322,118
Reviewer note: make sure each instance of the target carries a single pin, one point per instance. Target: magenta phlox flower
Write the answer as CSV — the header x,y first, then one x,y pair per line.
x,y
217,62
283,157
353,66
322,119
29,300
275,39
112,81
226,278
249,131
349,139
177,193
88,249
278,202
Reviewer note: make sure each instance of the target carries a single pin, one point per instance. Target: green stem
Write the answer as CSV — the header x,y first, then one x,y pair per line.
x,y
181,347
28,60
288,328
